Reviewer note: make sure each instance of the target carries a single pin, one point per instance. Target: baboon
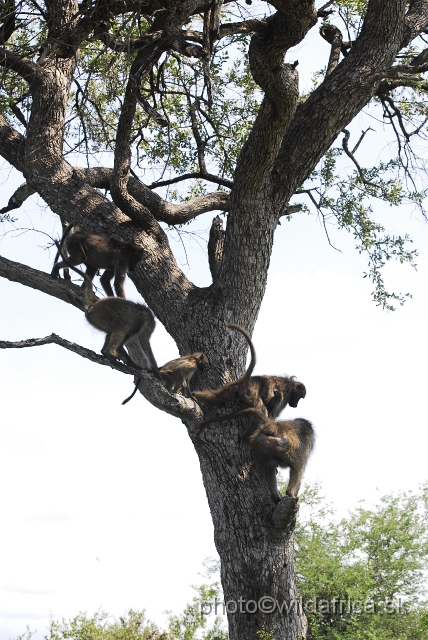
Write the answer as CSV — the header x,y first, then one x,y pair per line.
x,y
176,374
231,390
286,443
99,252
120,319
271,394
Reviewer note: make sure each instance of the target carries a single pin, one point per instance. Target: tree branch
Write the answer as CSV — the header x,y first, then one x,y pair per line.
x,y
416,21
333,36
279,81
161,209
12,144
196,174
7,17
354,160
200,144
19,197
28,70
215,246
149,386
285,512
330,108
41,281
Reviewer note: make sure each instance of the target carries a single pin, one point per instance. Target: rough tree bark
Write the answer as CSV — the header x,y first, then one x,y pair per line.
x,y
253,537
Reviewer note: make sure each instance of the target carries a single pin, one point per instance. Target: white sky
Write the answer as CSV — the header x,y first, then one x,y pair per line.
x,y
94,516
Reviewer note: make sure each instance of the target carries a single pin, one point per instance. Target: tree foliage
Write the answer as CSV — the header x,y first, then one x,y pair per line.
x,y
365,576
197,122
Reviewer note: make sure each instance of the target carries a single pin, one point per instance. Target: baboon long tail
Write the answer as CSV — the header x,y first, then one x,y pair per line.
x,y
252,364
64,235
90,297
132,394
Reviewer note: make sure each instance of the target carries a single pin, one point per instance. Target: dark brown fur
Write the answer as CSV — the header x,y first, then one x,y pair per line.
x,y
99,252
231,390
286,443
120,319
271,394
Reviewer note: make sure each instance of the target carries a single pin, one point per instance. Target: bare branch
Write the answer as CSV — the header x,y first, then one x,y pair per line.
x,y
322,11
41,281
196,174
414,82
150,387
215,18
416,21
247,26
333,36
200,144
285,512
361,138
354,160
397,113
7,17
161,209
21,194
12,144
24,67
215,246
290,209
157,117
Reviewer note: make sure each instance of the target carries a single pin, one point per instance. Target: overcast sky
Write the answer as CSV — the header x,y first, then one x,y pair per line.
x,y
96,514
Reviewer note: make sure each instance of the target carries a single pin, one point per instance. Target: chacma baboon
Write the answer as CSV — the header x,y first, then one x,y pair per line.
x,y
120,319
286,443
271,394
99,252
231,390
176,374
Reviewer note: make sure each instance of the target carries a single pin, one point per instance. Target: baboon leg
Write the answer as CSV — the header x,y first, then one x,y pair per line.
x,y
91,273
112,347
147,350
185,389
168,382
296,474
126,358
270,475
105,282
274,404
63,265
119,279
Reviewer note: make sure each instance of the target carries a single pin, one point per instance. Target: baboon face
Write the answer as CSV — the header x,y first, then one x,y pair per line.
x,y
201,361
297,394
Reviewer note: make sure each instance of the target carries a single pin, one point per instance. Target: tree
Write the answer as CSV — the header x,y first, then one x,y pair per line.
x,y
364,576
152,83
